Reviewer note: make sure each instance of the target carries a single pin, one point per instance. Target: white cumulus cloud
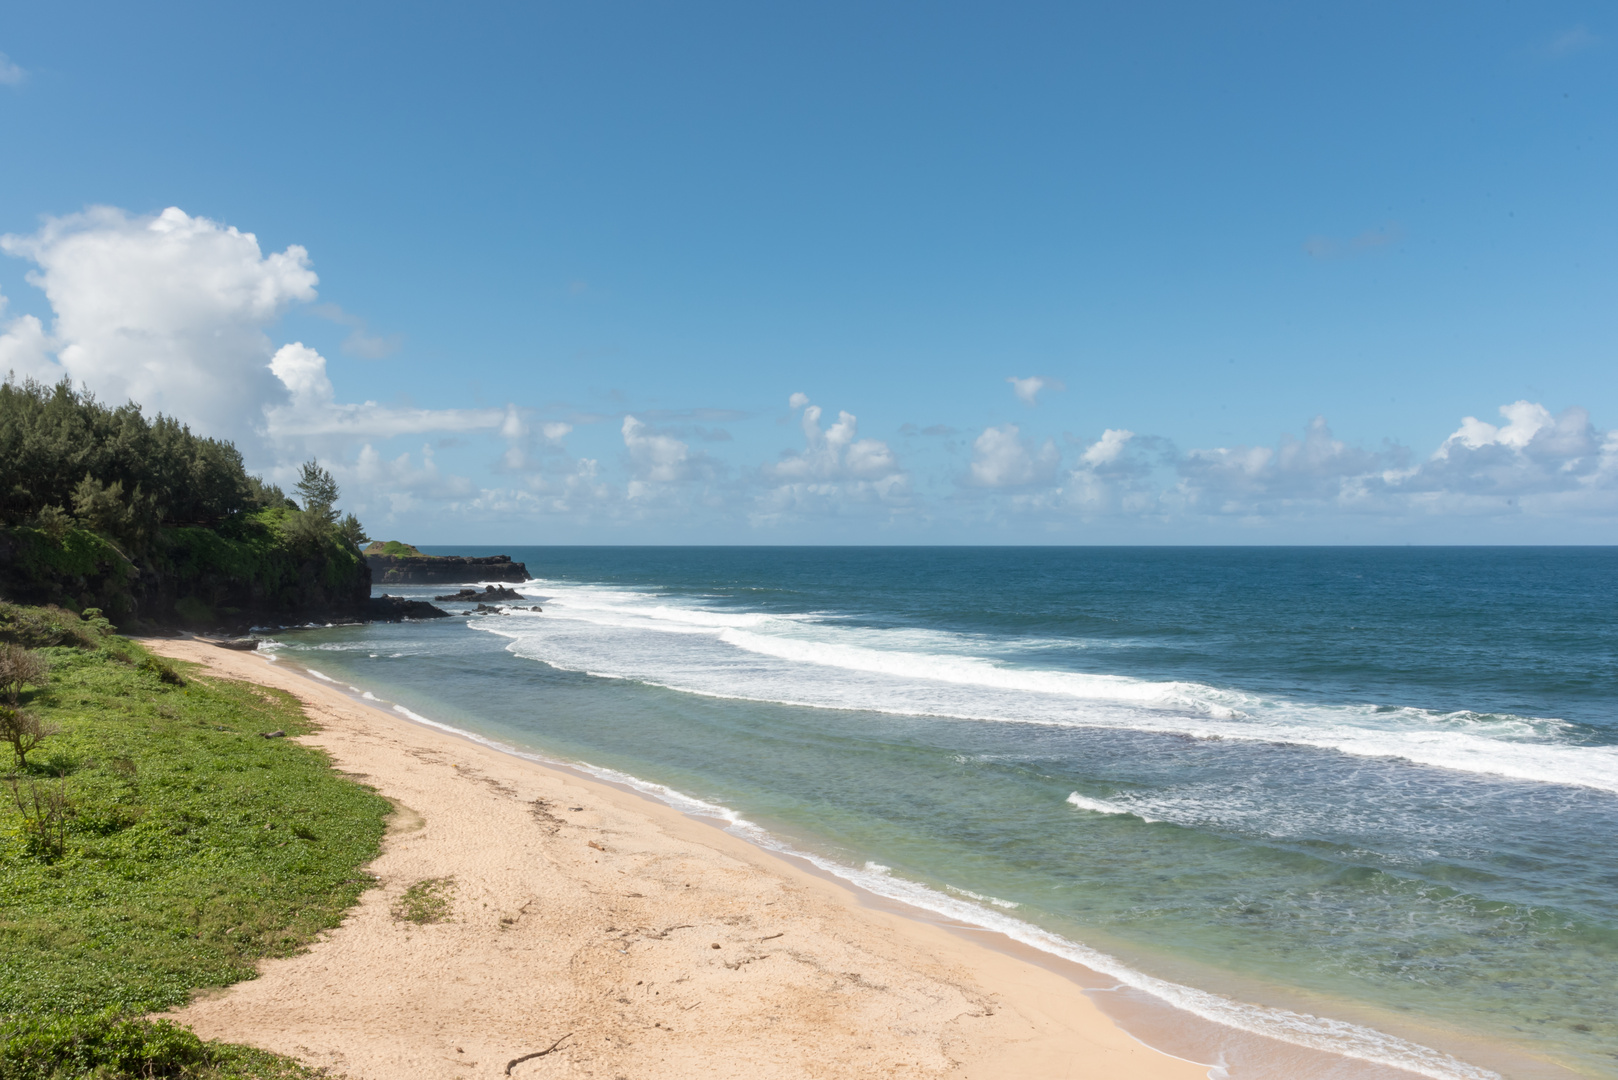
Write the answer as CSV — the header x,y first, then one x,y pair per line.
x,y
314,412
1107,449
835,471
174,312
1525,420
655,458
1027,388
1002,458
25,348
1536,462
168,310
835,453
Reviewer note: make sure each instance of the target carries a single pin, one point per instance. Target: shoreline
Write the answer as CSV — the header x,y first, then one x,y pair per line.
x,y
576,923
1155,1023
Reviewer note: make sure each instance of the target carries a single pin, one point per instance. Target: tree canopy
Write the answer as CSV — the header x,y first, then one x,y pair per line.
x,y
62,452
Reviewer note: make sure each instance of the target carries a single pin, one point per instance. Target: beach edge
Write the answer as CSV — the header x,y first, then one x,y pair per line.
x,y
1019,1018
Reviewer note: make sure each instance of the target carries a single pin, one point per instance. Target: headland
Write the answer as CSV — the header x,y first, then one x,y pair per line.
x,y
394,563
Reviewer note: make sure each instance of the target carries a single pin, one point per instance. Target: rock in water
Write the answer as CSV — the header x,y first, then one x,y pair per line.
x,y
490,592
387,608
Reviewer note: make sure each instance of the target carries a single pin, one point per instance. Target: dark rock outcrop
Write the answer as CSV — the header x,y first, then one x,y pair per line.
x,y
490,592
443,569
387,608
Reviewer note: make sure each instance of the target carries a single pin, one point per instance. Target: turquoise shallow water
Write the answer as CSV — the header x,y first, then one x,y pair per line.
x,y
1384,778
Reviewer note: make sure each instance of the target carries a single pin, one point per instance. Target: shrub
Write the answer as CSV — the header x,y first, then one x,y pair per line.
x,y
163,670
24,731
38,627
54,522
18,668
102,1045
44,812
306,529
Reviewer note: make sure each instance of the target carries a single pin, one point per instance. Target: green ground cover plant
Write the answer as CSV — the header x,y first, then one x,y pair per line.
x,y
155,844
429,900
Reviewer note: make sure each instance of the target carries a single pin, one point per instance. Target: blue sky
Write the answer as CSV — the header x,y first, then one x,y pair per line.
x,y
579,258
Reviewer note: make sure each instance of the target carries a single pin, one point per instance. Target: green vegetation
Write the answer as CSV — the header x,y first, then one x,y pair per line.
x,y
100,507
394,547
429,900
156,843
110,1047
63,454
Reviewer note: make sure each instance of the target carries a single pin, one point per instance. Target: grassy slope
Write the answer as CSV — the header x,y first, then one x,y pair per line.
x,y
195,847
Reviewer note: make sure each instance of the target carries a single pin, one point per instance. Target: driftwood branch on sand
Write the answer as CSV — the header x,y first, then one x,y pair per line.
x,y
514,1062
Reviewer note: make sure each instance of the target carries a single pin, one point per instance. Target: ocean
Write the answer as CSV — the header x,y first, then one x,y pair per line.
x,y
1357,799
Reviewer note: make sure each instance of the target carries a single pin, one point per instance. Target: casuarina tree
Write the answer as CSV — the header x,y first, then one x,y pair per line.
x,y
318,490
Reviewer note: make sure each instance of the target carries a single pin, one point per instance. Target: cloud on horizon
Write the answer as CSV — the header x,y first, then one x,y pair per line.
x,y
835,474
177,312
1002,458
1535,464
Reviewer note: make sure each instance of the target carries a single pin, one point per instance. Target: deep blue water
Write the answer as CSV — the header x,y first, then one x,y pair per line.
x,y
1378,780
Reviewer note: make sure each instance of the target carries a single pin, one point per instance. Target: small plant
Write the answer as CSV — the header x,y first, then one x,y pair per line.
x,y
430,900
20,667
45,810
163,670
61,763
24,731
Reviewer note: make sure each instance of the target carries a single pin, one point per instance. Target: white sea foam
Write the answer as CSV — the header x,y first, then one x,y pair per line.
x,y
1298,1029
982,673
1102,806
785,659
1009,905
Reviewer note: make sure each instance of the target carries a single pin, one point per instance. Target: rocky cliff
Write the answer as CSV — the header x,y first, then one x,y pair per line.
x,y
245,573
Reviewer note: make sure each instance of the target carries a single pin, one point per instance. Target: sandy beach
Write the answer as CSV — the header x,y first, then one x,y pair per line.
x,y
598,933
